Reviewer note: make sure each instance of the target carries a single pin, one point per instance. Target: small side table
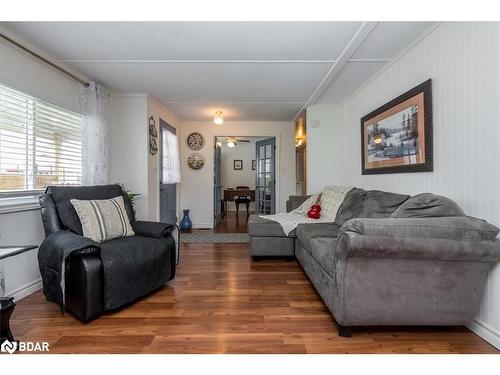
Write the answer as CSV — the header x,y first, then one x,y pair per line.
x,y
7,304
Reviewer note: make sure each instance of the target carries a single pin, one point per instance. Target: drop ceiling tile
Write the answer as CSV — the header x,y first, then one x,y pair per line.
x,y
211,81
189,40
236,111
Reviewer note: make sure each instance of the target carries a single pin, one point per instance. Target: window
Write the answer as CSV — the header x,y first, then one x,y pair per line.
x,y
170,164
40,144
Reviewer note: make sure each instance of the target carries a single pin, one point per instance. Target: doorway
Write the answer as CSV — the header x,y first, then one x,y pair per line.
x,y
265,180
301,155
244,180
168,189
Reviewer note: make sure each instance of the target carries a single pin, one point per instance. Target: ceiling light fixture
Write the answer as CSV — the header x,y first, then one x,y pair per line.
x,y
231,143
218,119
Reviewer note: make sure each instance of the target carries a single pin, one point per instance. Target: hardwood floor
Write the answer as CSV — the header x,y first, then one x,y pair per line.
x,y
231,223
222,302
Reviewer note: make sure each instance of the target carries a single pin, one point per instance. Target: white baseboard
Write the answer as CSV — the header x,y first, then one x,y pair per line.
x,y
26,290
486,332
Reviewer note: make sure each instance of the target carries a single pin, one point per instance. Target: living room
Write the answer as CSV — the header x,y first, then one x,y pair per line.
x,y
249,187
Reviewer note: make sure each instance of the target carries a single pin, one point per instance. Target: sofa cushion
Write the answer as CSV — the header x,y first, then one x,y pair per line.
x,y
331,200
378,204
351,206
306,232
428,205
371,204
260,227
323,250
294,201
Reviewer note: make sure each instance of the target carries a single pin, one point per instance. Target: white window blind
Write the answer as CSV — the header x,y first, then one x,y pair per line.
x,y
40,144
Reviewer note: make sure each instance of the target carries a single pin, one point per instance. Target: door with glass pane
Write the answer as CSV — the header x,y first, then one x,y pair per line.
x,y
168,173
265,181
217,185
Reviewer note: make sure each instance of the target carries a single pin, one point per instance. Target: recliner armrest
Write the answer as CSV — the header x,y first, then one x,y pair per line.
x,y
84,285
151,229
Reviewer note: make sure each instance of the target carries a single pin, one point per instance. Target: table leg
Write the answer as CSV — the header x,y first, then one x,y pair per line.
x,y
7,306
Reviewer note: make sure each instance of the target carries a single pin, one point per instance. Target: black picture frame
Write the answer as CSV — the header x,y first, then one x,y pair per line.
x,y
238,165
423,143
153,136
254,165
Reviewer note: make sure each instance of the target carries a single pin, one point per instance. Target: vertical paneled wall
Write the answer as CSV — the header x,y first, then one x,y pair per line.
x,y
463,61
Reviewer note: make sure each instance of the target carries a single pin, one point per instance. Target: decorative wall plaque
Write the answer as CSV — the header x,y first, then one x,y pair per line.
x,y
153,137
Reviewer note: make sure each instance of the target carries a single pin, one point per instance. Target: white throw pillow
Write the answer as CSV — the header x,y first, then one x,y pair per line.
x,y
103,219
332,199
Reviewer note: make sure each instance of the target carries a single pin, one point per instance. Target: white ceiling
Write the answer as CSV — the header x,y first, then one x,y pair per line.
x,y
249,70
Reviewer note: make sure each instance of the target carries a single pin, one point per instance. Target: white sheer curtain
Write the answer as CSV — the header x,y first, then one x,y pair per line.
x,y
171,173
95,134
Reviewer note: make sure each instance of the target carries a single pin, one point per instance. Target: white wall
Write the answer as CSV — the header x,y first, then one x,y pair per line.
x,y
22,275
130,160
23,72
323,153
158,111
129,147
245,177
463,60
197,186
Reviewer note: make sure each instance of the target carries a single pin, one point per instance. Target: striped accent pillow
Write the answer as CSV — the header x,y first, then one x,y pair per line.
x,y
103,220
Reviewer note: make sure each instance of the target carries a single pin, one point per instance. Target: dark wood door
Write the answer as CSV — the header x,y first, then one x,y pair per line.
x,y
168,192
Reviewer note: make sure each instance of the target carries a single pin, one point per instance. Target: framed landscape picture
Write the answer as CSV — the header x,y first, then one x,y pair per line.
x,y
397,137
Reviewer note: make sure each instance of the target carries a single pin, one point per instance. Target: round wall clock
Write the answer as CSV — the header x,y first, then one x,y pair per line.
x,y
195,161
195,141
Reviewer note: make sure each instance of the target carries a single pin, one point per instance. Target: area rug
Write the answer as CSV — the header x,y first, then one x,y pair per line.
x,y
215,237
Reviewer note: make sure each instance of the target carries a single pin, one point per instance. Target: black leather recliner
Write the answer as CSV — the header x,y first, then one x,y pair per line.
x,y
83,270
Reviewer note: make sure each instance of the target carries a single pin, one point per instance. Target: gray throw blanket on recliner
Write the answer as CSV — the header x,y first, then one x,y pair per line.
x,y
125,262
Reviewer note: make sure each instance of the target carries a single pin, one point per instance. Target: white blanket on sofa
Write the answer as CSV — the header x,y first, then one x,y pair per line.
x,y
331,200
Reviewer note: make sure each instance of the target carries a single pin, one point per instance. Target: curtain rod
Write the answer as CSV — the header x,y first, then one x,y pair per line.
x,y
84,83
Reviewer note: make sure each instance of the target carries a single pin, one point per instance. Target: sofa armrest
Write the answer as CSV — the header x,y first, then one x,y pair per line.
x,y
350,244
294,201
152,229
454,228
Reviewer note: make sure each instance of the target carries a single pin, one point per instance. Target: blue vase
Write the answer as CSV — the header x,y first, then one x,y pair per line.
x,y
186,223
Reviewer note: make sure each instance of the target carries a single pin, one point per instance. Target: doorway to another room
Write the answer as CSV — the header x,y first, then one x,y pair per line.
x,y
169,173
244,180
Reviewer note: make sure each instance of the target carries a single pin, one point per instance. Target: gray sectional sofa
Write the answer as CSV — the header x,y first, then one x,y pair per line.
x,y
389,259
